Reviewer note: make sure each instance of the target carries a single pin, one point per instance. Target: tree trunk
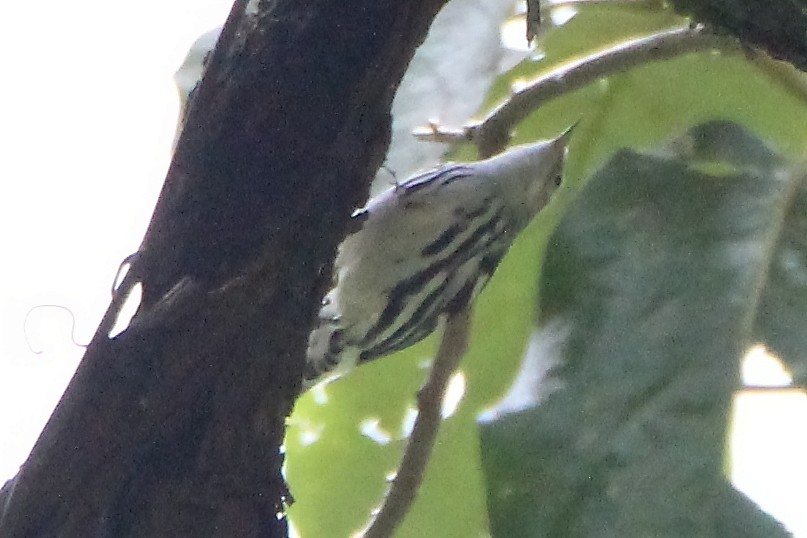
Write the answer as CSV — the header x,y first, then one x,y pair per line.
x,y
173,427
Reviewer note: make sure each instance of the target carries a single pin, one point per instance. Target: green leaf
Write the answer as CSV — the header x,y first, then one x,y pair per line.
x,y
782,316
651,281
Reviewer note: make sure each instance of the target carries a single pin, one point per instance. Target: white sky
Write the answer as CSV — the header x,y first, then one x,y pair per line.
x,y
87,114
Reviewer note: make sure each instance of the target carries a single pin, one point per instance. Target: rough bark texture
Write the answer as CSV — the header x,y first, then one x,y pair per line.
x,y
172,428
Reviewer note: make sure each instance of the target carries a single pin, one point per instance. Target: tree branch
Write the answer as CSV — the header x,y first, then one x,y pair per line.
x,y
424,433
173,427
492,134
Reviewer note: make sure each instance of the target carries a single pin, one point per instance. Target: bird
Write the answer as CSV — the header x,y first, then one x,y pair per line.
x,y
426,247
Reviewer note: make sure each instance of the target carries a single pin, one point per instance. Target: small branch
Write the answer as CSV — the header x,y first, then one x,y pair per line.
x,y
405,485
492,134
434,132
533,19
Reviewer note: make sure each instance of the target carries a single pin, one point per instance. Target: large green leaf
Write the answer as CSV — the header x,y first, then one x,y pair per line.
x,y
651,283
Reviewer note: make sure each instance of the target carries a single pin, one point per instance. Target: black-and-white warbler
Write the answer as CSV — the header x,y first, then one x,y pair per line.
x,y
424,246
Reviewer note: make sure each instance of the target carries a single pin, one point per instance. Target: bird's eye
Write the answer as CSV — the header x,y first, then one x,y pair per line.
x,y
558,180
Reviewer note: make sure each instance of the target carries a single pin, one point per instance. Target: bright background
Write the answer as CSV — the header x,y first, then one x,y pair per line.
x,y
87,116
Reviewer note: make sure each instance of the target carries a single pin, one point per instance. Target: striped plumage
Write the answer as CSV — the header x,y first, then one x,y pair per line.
x,y
424,246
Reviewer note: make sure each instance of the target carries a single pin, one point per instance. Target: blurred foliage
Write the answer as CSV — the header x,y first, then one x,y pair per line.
x,y
336,472
654,276
777,26
782,313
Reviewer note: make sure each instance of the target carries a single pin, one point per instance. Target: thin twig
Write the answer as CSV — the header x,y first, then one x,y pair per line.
x,y
434,132
493,133
405,485
533,19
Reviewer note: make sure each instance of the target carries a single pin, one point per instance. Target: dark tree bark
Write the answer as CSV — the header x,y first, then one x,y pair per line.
x,y
172,428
